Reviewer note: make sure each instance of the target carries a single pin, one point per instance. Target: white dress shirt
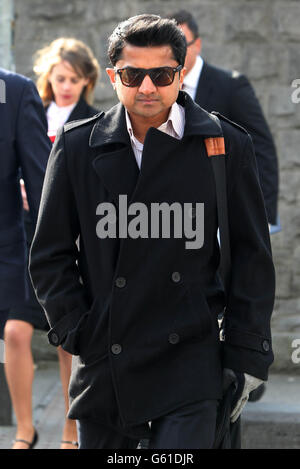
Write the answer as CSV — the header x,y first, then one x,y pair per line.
x,y
190,81
174,126
57,116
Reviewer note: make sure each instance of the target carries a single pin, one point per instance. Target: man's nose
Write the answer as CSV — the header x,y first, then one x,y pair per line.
x,y
147,86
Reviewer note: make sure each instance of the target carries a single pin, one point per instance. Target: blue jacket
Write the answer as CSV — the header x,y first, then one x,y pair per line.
x,y
24,150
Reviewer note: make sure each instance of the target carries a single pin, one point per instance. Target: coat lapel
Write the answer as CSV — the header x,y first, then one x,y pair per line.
x,y
197,120
81,110
115,162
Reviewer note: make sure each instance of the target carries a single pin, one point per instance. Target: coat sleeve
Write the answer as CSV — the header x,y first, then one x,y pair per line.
x,y
247,112
53,257
251,295
32,144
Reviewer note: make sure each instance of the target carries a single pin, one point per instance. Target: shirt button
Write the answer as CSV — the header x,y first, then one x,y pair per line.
x,y
266,345
120,282
116,349
176,277
174,338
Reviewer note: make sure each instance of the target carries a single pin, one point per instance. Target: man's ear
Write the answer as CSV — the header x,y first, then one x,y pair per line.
x,y
112,76
182,75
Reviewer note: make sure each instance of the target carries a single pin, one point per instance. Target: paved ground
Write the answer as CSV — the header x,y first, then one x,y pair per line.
x,y
48,409
272,422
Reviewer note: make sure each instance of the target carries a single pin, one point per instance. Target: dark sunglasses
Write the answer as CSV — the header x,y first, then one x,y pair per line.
x,y
160,76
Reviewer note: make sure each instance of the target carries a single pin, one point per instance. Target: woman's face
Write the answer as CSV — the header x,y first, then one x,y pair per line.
x,y
66,85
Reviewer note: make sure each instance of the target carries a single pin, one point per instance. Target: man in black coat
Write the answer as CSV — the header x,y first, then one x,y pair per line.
x,y
231,94
138,301
24,151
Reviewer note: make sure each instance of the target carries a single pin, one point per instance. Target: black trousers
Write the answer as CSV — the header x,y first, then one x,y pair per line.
x,y
190,427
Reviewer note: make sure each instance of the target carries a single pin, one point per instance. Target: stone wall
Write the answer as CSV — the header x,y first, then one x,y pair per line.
x,y
259,38
6,28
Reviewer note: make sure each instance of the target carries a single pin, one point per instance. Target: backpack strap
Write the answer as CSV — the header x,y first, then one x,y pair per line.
x,y
215,147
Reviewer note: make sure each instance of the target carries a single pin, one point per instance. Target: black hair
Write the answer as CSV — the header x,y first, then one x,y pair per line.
x,y
185,17
147,31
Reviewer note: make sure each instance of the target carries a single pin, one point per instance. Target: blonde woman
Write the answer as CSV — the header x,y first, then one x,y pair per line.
x,y
67,74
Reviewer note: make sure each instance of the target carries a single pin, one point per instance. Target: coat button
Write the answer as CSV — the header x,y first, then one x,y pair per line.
x,y
120,282
174,338
54,338
266,345
176,277
116,349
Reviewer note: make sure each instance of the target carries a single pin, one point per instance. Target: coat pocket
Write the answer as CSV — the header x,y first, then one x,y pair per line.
x,y
193,318
92,333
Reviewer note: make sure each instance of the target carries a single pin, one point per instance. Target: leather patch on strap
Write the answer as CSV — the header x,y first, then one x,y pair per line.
x,y
215,146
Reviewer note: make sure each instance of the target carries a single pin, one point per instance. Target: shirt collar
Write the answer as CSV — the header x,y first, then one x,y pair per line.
x,y
54,109
175,121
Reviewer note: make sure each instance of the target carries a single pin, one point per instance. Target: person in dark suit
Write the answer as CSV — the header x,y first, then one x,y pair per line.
x,y
67,74
135,303
231,94
24,151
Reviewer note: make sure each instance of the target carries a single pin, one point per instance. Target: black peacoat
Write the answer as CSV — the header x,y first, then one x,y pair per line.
x,y
142,313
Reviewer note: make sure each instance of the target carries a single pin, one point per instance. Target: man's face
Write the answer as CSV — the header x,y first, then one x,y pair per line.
x,y
193,49
147,100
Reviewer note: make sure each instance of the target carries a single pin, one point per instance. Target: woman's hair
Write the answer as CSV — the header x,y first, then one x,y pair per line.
x,y
77,54
147,31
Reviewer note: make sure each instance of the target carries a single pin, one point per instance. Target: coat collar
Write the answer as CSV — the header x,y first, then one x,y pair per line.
x,y
115,162
111,128
81,110
197,120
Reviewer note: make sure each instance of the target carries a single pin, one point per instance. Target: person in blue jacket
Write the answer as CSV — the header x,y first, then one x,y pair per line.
x,y
24,151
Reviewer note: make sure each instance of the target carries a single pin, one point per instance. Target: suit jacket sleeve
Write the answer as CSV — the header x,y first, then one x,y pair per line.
x,y
53,258
251,297
246,111
32,144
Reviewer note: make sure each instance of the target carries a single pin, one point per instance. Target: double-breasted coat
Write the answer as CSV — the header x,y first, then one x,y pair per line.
x,y
142,313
